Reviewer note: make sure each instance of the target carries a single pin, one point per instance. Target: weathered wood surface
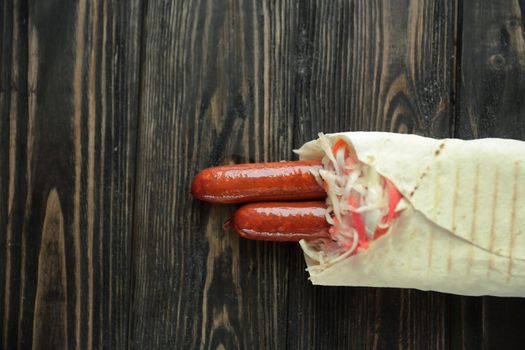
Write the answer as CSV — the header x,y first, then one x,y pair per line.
x,y
392,70
108,108
491,104
69,112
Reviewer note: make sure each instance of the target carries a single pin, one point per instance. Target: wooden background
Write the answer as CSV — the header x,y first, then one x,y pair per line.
x,y
108,108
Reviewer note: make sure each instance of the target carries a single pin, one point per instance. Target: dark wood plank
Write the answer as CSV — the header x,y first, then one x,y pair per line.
x,y
218,79
493,65
72,68
5,77
6,30
492,105
466,322
371,65
122,51
230,95
13,108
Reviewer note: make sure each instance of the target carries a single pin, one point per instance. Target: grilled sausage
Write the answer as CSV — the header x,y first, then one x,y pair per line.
x,y
281,221
279,181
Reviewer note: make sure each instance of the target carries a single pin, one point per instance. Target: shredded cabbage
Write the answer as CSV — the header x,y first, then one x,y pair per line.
x,y
347,181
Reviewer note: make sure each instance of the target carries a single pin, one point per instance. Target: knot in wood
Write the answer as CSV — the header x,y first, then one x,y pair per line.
x,y
497,61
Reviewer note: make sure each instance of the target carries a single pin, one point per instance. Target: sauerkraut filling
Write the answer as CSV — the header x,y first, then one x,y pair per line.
x,y
361,205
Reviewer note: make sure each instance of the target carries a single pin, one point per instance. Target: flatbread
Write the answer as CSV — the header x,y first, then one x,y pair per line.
x,y
464,229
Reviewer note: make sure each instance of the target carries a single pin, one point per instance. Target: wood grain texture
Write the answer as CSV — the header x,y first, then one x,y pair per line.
x,y
218,79
492,70
241,81
5,64
109,108
70,120
372,65
491,104
14,108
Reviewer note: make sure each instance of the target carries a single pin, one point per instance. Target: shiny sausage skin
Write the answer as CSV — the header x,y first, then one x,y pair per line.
x,y
281,221
279,181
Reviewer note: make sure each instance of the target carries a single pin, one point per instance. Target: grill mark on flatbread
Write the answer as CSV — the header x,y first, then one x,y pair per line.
x,y
513,218
474,216
454,209
493,219
437,199
440,149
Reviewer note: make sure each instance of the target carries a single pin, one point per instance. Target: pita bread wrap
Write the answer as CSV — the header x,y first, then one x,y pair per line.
x,y
460,226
